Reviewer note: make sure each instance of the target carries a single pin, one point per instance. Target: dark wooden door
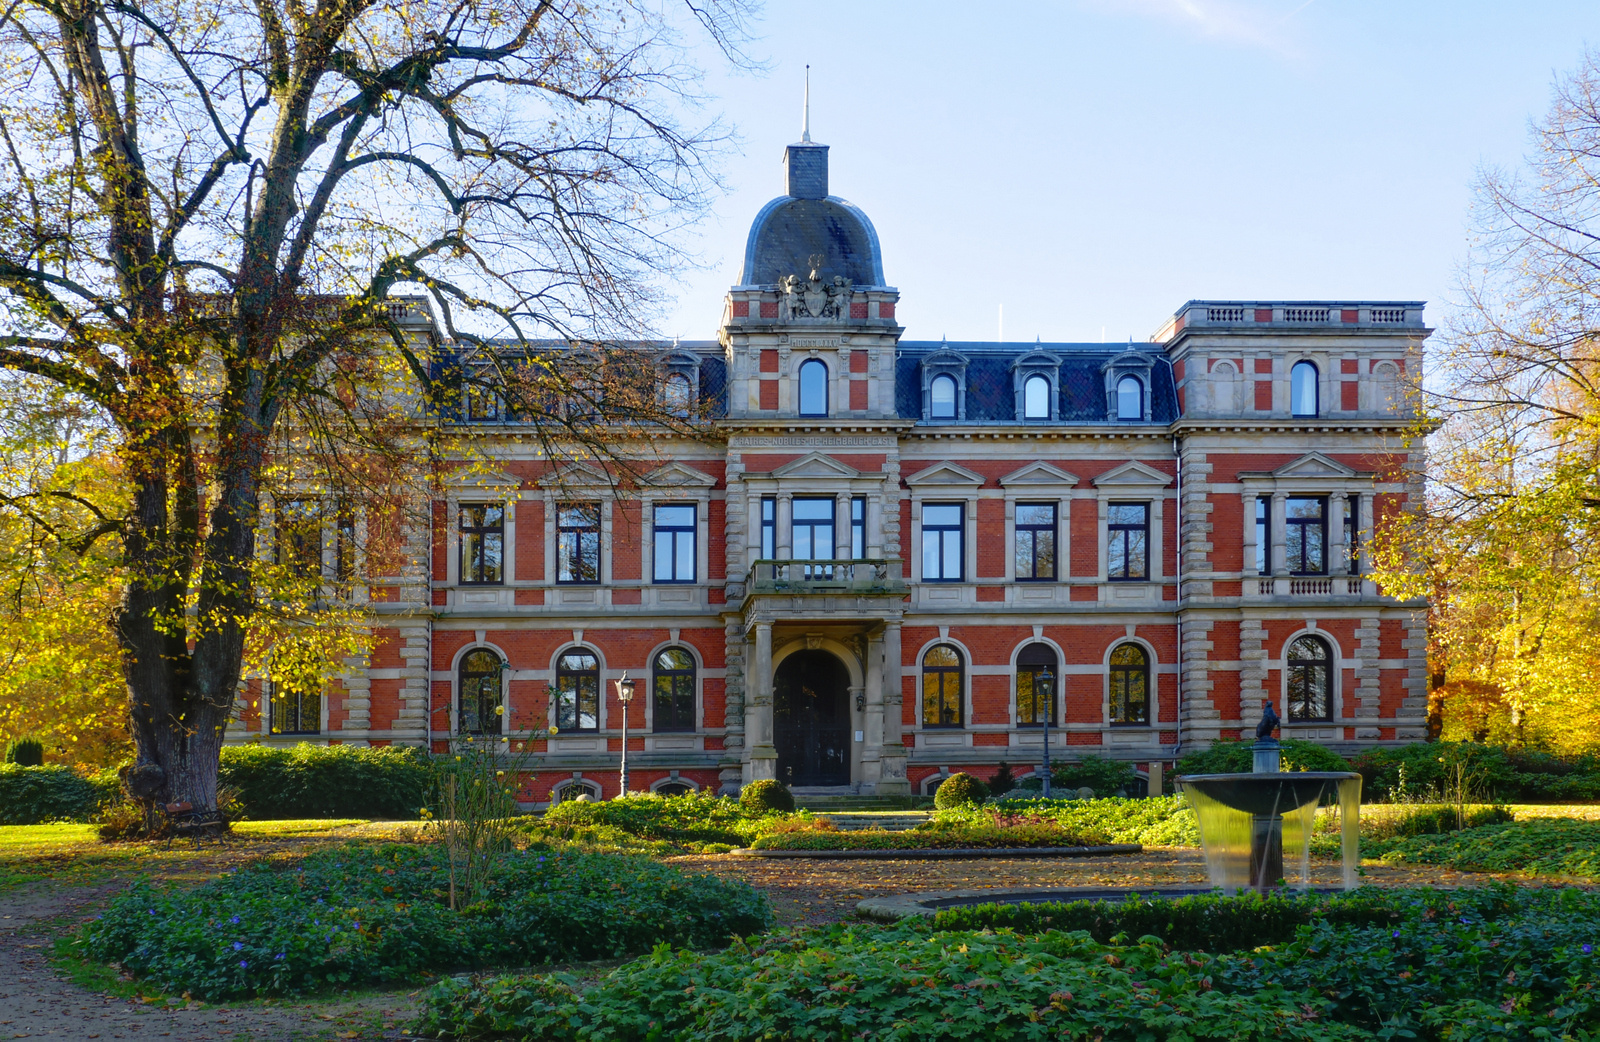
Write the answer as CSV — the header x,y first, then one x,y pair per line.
x,y
811,719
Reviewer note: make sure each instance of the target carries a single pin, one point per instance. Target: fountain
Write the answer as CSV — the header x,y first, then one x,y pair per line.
x,y
1248,820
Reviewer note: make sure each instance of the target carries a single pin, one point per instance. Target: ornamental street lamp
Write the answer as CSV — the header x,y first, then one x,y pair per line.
x,y
1044,693
624,695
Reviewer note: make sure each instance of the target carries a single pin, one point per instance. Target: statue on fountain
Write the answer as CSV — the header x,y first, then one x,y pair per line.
x,y
1269,719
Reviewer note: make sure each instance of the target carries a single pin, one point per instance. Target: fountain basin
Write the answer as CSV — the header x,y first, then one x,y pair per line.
x,y
1249,821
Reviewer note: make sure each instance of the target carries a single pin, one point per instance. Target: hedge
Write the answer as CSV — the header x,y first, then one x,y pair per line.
x,y
1504,773
333,781
35,795
1237,758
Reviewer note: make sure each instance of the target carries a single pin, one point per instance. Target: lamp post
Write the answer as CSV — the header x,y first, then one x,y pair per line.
x,y
1044,691
624,695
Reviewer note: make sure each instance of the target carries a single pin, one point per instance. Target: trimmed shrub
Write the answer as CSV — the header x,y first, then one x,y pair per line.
x,y
1201,923
36,795
1003,780
977,836
1106,777
335,781
765,796
1236,758
958,790
25,752
357,916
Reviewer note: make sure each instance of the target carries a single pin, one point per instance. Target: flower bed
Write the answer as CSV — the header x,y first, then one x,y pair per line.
x,y
921,838
689,820
356,916
1451,965
1163,821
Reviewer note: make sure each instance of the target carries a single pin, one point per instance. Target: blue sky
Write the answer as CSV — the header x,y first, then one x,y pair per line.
x,y
1092,164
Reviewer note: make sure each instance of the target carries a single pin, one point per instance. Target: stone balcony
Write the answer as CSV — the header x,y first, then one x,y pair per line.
x,y
867,576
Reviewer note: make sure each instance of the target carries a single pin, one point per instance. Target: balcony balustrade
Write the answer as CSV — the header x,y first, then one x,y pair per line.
x,y
841,576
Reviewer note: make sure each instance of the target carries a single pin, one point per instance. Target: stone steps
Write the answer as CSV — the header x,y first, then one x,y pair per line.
x,y
893,822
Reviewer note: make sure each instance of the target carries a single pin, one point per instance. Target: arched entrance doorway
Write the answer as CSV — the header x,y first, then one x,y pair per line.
x,y
811,719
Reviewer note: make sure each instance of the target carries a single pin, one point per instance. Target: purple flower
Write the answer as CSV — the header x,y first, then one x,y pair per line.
x,y
238,946
278,956
1588,948
234,920
541,859
1397,933
243,965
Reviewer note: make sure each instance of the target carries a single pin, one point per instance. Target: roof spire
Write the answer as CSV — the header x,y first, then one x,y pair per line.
x,y
805,119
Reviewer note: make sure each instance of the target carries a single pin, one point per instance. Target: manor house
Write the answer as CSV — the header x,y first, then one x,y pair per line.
x,y
900,559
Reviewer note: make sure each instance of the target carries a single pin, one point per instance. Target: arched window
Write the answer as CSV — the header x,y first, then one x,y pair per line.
x,y
1303,389
673,687
573,788
672,787
941,687
1130,685
942,398
578,691
1130,398
1033,708
1036,398
481,709
675,395
1310,679
813,388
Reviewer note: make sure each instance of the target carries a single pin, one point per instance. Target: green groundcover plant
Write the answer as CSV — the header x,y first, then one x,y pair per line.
x,y
1421,964
982,835
1164,821
1541,847
1514,774
356,916
691,818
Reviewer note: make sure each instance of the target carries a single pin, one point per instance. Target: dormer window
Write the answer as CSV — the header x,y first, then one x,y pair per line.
x,y
1128,386
944,386
1303,389
1036,398
942,398
813,388
675,395
1130,398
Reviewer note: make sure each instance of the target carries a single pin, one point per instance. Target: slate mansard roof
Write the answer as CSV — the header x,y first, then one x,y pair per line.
x,y
991,395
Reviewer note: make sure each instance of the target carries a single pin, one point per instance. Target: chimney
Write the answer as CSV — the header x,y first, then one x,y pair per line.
x,y
806,170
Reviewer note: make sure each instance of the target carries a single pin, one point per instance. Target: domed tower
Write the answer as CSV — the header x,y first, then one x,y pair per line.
x,y
811,290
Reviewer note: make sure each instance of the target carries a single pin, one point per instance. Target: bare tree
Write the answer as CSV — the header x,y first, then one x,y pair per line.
x,y
206,208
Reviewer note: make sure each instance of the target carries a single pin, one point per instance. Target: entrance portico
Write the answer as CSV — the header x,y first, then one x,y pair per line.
x,y
824,708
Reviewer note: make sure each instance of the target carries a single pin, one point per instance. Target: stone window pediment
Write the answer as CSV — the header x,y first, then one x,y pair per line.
x,y
577,476
1132,475
816,465
677,476
1040,475
944,475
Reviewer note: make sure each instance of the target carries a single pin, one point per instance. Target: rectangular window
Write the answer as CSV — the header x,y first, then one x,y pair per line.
x,y
811,531
941,542
1128,542
1305,532
344,545
1036,542
1352,535
1263,536
858,527
769,527
483,403
299,536
292,711
578,543
483,540
674,547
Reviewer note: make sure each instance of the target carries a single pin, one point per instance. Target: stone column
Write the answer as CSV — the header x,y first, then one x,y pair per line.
x,y
872,723
892,772
841,526
784,537
1250,508
1337,562
1278,534
758,718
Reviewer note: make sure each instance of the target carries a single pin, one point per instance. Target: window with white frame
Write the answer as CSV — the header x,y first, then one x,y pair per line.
x,y
942,397
578,543
1130,398
1303,391
813,387
1036,398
